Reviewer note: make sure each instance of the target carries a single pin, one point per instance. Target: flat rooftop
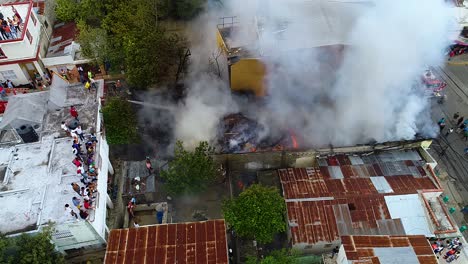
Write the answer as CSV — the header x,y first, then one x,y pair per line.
x,y
197,242
23,8
388,249
35,177
390,193
36,184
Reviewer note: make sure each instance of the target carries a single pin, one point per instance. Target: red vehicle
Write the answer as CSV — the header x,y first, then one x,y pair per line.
x,y
432,83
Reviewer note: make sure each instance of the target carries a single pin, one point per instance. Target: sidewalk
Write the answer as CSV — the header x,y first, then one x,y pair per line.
x,y
452,169
458,60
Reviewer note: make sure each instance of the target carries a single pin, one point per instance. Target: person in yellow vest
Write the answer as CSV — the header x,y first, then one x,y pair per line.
x,y
87,85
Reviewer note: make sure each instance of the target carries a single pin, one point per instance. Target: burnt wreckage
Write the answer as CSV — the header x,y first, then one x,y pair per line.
x,y
240,134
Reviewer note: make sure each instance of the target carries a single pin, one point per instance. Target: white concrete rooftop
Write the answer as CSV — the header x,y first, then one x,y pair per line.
x,y
36,185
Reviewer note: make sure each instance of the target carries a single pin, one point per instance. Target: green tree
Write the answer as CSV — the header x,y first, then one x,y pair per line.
x,y
188,9
120,121
151,55
282,256
29,249
257,213
147,65
67,10
190,171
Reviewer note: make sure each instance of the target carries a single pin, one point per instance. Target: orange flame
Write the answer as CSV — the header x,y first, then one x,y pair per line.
x,y
294,140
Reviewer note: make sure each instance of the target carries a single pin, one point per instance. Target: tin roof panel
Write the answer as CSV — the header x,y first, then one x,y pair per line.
x,y
201,242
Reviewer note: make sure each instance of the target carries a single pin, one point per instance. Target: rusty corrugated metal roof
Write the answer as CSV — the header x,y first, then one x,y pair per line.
x,y
360,249
197,242
324,204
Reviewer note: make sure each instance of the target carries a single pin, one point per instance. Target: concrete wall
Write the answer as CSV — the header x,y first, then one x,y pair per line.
x,y
248,74
52,62
286,159
318,248
21,77
99,222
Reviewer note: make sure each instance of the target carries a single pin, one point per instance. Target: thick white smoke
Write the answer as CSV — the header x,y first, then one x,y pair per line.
x,y
339,72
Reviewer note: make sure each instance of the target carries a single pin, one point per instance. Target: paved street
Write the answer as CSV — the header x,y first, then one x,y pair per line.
x,y
449,150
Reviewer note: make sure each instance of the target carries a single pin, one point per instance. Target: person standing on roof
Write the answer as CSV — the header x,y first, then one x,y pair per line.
x,y
79,132
87,86
77,162
93,83
65,128
76,187
74,112
63,74
10,84
69,211
76,202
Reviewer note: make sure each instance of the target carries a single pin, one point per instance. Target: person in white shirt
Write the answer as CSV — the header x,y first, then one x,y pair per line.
x,y
79,132
69,211
65,128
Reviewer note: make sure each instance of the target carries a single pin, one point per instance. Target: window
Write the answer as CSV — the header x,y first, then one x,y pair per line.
x,y
29,36
33,18
9,75
2,54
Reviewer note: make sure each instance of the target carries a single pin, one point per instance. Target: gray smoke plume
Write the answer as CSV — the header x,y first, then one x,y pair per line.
x,y
339,72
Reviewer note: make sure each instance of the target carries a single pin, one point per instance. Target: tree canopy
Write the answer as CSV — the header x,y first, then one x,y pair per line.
x,y
120,121
29,249
257,213
129,34
190,171
282,256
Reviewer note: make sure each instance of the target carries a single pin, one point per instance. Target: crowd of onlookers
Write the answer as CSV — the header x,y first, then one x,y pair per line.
x,y
11,28
85,165
453,247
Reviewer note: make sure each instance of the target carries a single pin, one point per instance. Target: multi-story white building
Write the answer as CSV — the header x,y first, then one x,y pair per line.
x,y
20,54
36,177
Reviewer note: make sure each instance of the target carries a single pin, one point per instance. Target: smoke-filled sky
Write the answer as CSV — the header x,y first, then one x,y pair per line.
x,y
368,94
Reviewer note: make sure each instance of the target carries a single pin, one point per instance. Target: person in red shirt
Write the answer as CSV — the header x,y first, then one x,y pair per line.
x,y
130,208
149,166
73,112
87,205
77,162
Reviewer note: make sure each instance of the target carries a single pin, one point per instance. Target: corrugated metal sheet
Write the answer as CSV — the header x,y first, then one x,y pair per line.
x,y
410,209
351,186
312,221
360,249
381,184
356,160
200,242
335,172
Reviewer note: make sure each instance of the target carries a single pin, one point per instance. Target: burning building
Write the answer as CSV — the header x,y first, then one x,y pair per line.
x,y
335,72
239,134
248,45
